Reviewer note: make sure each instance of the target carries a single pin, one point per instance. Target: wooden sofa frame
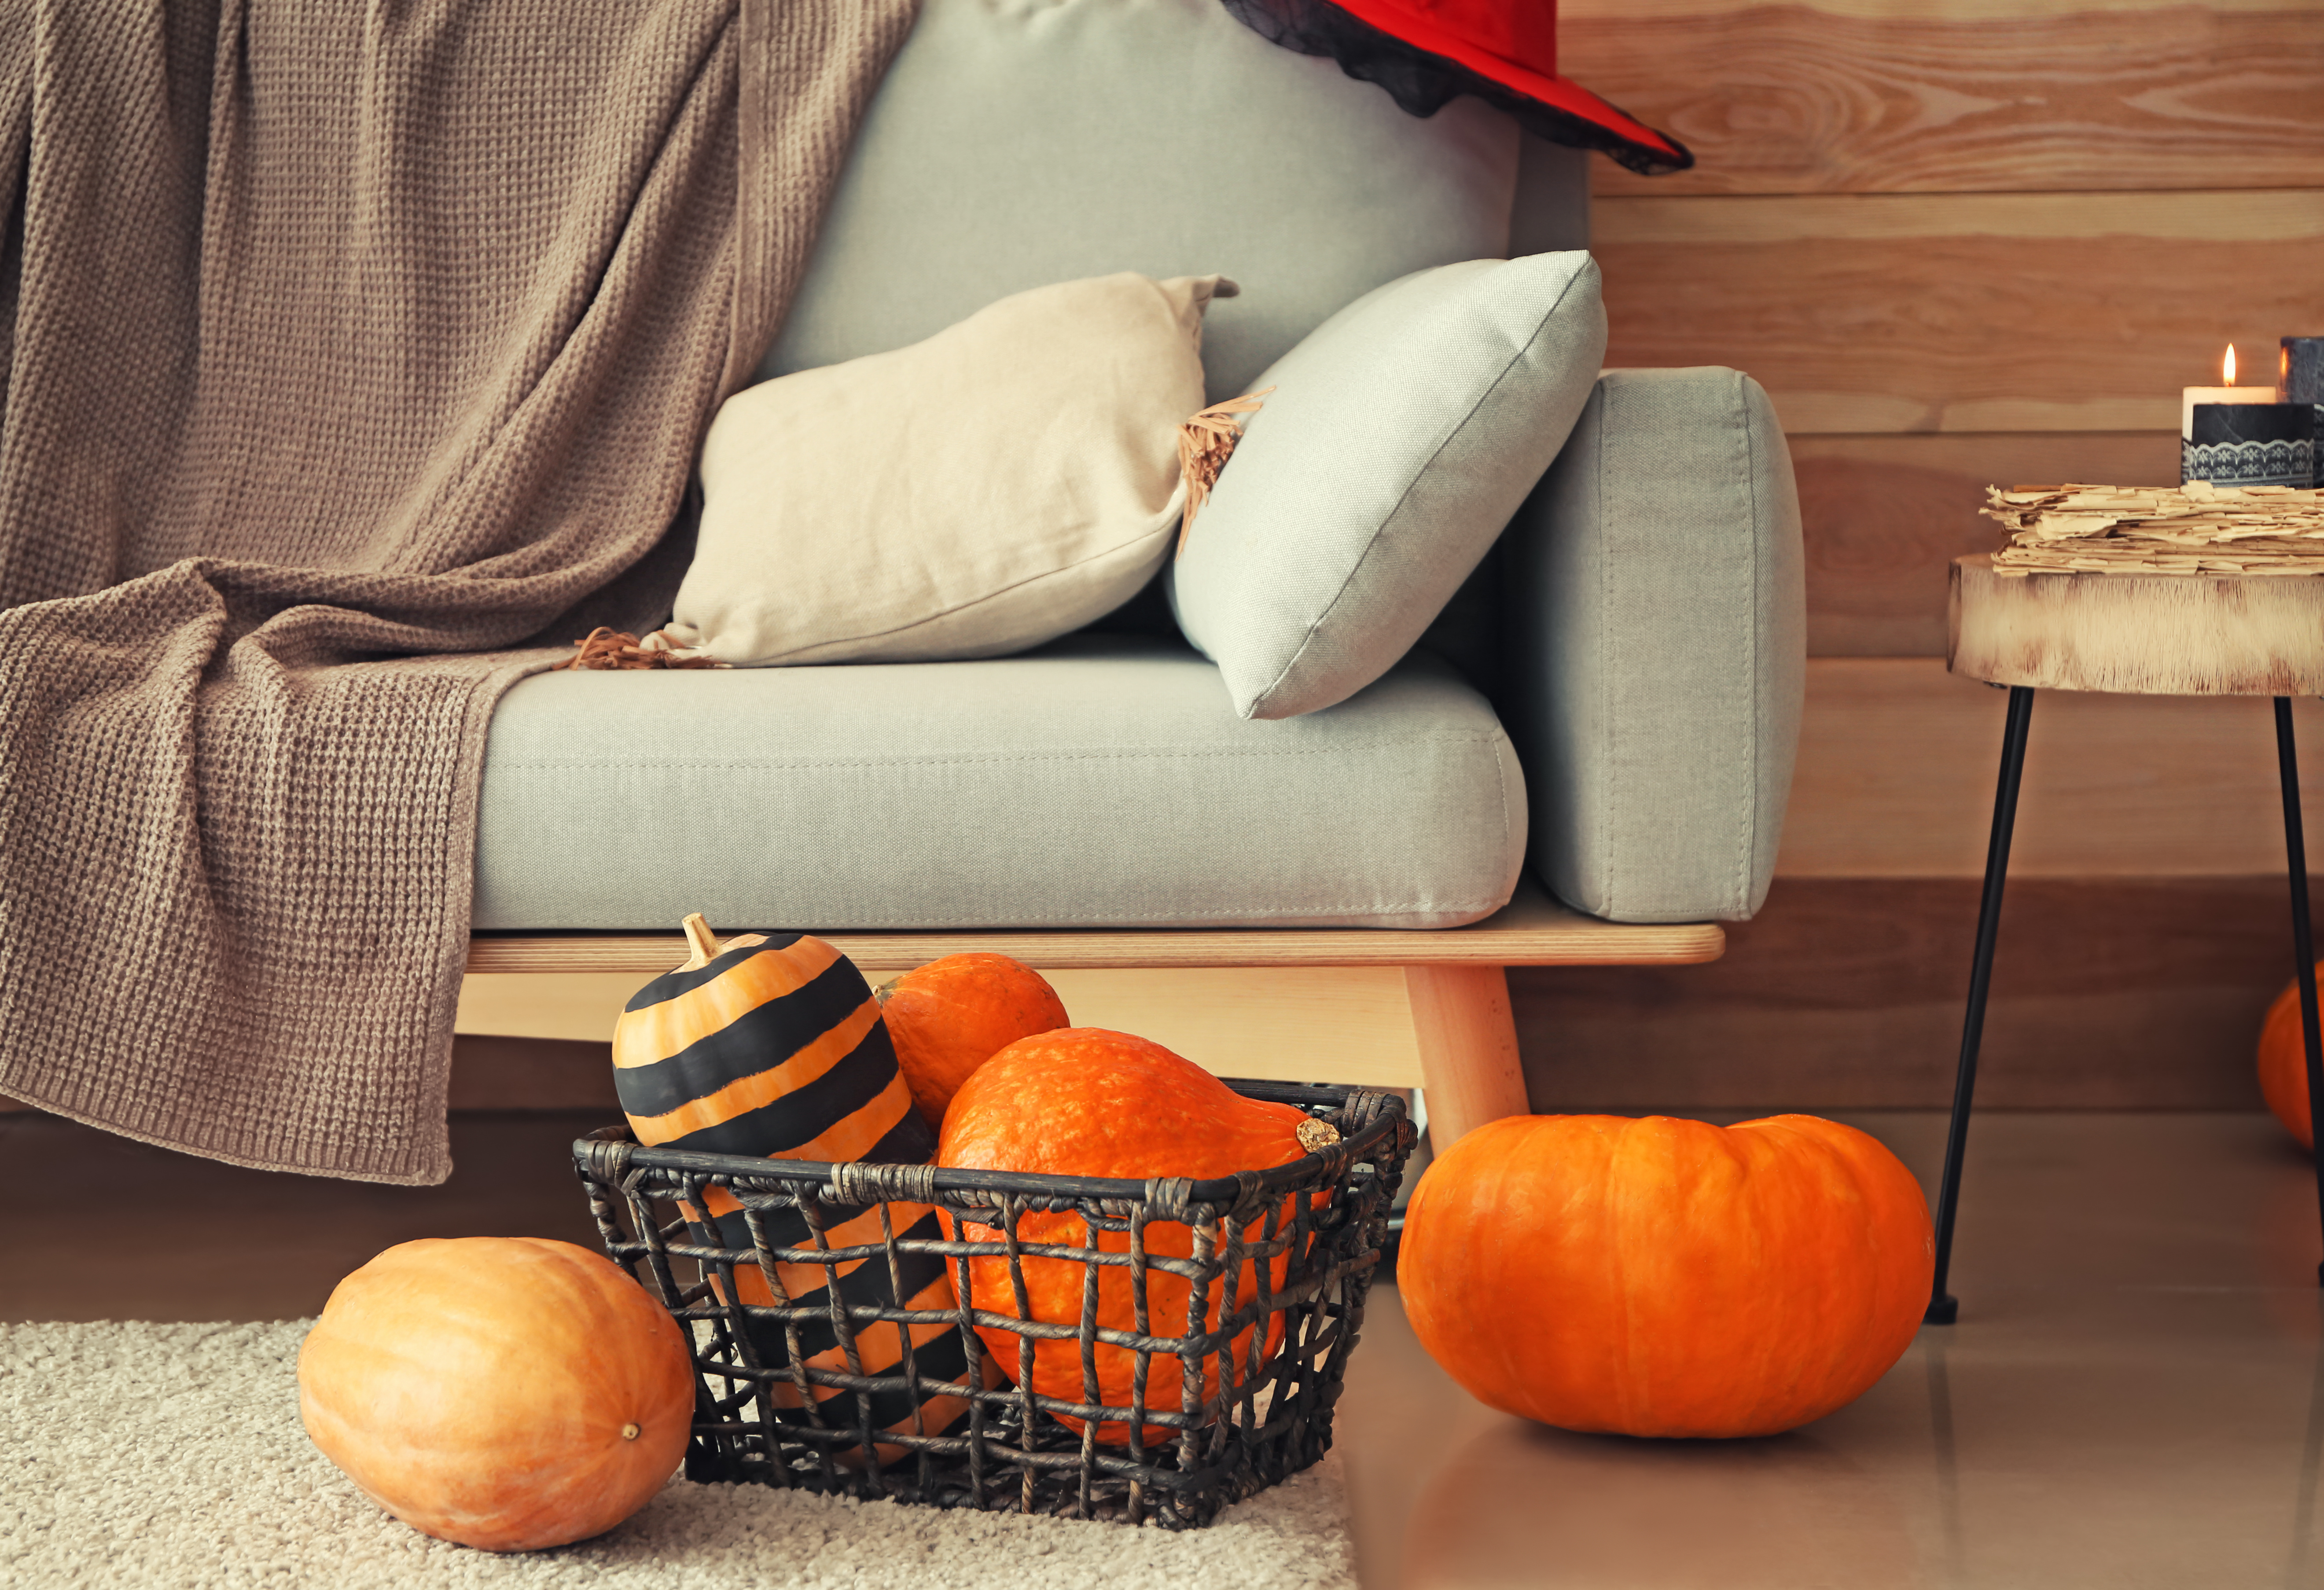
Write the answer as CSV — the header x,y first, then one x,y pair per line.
x,y
1379,1007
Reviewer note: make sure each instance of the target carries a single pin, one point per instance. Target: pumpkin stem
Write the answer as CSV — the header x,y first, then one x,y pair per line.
x,y
886,991
701,939
1315,1135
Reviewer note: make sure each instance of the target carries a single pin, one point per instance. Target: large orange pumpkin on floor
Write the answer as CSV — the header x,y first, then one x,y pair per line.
x,y
952,1015
1662,1277
506,1393
1083,1101
2284,1065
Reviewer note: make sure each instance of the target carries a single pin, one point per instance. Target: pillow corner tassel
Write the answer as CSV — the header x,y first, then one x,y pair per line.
x,y
607,648
1205,442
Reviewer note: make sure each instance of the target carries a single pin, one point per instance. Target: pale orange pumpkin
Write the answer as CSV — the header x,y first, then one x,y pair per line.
x,y
951,1015
2284,1065
505,1392
1663,1277
1083,1101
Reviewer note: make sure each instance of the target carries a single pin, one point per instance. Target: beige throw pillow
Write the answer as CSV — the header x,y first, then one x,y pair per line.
x,y
1008,480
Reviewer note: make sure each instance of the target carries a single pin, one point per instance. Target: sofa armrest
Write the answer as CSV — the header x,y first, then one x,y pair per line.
x,y
1655,648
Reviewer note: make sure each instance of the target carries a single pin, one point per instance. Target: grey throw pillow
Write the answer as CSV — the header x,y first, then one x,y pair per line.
x,y
1401,436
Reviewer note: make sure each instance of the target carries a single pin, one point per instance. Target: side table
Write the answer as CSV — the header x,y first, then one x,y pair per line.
x,y
2137,634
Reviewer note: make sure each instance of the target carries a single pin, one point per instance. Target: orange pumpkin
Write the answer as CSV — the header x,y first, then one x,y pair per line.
x,y
952,1015
1662,1277
505,1392
2284,1065
1083,1102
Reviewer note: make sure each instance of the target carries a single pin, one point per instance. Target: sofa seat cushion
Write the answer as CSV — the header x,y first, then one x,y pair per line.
x,y
1103,781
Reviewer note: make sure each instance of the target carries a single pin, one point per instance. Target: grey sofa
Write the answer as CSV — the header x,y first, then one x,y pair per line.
x,y
1611,702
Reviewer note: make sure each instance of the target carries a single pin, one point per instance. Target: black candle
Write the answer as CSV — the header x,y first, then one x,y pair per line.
x,y
2300,379
2250,444
2300,374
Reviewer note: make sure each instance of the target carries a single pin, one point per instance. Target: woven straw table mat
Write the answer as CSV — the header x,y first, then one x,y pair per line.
x,y
172,1455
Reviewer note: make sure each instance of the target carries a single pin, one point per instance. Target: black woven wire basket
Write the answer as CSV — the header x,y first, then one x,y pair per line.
x,y
1253,1285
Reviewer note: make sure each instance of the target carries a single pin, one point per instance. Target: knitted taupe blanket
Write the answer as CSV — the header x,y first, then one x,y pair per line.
x,y
349,349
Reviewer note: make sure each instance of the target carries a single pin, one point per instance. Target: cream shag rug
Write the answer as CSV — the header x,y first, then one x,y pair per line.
x,y
172,1455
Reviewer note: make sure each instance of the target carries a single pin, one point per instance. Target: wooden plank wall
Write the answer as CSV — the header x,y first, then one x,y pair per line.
x,y
1962,242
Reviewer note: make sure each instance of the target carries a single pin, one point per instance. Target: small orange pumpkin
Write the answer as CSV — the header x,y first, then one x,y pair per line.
x,y
505,1392
952,1015
2284,1065
1083,1101
1662,1277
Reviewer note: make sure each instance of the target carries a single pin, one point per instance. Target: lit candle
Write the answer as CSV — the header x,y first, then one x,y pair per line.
x,y
2229,393
2237,436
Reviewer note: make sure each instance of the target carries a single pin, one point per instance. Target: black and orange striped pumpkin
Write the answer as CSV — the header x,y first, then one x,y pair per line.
x,y
766,1045
938,1351
773,1046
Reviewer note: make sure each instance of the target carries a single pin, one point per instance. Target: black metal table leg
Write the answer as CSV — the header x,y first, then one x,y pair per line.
x,y
2303,945
1942,1309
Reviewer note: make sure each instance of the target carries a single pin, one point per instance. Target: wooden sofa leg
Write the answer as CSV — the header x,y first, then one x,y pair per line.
x,y
1469,1066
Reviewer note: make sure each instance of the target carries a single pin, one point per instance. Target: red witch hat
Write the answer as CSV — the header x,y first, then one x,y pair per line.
x,y
1424,52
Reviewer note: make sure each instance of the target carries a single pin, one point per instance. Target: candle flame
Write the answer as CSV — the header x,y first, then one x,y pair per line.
x,y
2227,367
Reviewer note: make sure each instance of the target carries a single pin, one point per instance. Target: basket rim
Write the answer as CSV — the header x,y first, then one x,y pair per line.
x,y
1217,1191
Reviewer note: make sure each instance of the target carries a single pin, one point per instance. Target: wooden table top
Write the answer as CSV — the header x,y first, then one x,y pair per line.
x,y
2137,634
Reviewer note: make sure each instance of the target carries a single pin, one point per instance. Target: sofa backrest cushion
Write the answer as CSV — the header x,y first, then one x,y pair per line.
x,y
1019,142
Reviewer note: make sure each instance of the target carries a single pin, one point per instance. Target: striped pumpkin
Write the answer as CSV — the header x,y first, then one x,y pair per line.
x,y
768,1045
773,1046
937,1350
